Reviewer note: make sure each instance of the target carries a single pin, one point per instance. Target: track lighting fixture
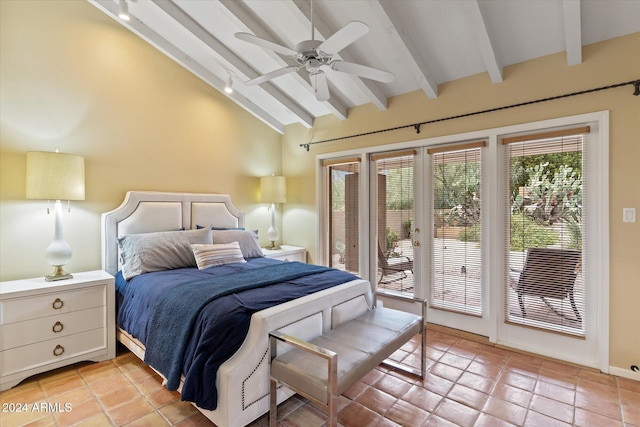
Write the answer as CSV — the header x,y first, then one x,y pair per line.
x,y
229,86
123,10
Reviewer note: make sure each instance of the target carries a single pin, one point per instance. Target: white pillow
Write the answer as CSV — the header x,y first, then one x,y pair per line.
x,y
217,254
166,250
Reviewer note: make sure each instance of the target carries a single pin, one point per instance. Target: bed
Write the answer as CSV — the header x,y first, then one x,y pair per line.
x,y
242,381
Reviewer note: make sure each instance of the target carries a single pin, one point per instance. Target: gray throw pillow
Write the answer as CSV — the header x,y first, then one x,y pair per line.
x,y
248,241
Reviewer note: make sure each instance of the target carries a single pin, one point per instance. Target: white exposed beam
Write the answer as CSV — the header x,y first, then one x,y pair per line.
x,y
572,31
389,19
368,87
483,40
231,58
237,9
153,38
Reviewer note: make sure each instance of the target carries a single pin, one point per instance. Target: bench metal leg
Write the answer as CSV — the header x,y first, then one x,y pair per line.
x,y
273,403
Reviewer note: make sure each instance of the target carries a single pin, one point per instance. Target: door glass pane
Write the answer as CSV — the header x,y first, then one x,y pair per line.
x,y
394,227
456,255
344,217
545,231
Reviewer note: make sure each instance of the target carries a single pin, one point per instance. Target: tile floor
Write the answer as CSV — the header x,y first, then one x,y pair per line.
x,y
467,384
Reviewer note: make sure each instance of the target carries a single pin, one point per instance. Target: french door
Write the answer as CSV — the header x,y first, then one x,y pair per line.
x,y
503,231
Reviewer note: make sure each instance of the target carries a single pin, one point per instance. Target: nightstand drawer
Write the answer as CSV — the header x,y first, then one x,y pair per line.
x,y
21,309
51,351
46,328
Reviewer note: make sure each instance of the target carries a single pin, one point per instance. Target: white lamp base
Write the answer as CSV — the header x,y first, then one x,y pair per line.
x,y
59,252
272,233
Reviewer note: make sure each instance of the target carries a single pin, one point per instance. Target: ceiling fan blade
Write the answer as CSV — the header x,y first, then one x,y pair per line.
x,y
320,85
266,44
344,37
272,75
363,71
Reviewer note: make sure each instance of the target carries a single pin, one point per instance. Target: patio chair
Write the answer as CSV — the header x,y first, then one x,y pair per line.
x,y
392,265
547,273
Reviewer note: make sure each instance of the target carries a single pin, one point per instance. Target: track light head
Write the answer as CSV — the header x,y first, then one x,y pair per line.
x,y
123,10
229,86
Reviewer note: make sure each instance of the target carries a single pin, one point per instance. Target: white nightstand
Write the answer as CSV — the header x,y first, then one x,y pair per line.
x,y
287,253
47,325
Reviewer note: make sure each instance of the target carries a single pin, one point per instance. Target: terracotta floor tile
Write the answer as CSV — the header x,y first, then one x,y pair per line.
x,y
377,400
98,371
436,421
422,398
584,418
512,394
467,396
108,384
151,420
445,371
524,382
47,421
64,385
177,411
437,384
484,369
505,411
130,411
393,386
629,398
457,413
477,382
552,408
162,397
356,415
595,403
305,416
372,377
79,413
100,420
486,420
602,391
456,361
631,413
629,385
489,358
536,419
557,378
597,377
119,396
556,392
199,420
406,414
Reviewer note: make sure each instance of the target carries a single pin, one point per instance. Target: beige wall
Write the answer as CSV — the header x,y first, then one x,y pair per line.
x,y
73,78
604,63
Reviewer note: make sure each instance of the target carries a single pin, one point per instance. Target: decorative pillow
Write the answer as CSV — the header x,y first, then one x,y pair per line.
x,y
217,254
166,250
248,241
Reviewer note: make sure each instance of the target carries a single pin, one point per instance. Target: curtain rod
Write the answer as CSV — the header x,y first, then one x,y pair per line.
x,y
417,126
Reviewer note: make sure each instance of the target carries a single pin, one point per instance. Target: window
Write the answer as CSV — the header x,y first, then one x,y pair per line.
x,y
456,261
545,230
394,220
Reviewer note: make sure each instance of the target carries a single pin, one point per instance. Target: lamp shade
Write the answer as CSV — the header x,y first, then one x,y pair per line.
x,y
273,189
55,176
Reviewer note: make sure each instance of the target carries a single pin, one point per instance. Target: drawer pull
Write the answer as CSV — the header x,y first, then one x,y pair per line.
x,y
58,327
58,350
57,304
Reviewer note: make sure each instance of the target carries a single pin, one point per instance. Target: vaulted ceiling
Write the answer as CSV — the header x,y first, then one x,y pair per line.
x,y
422,42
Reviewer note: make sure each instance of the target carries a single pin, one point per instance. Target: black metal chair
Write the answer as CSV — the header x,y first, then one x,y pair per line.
x,y
393,265
547,273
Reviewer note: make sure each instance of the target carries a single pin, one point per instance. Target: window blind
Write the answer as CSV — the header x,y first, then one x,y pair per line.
x,y
343,214
456,255
394,220
545,231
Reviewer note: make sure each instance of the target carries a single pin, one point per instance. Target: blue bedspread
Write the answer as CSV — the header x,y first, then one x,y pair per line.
x,y
217,321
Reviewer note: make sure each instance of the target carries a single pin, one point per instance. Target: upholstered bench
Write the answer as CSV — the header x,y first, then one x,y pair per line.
x,y
326,366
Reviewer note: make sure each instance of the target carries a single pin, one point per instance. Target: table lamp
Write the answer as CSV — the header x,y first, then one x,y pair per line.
x,y
56,176
273,189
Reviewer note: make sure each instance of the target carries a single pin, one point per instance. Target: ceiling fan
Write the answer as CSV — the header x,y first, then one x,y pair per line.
x,y
317,56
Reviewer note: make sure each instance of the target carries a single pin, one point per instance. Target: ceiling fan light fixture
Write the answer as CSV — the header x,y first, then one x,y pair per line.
x,y
123,10
228,87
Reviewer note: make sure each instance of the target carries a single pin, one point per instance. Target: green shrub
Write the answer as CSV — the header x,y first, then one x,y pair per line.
x,y
525,233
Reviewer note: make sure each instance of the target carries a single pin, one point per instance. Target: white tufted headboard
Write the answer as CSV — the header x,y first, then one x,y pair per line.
x,y
148,211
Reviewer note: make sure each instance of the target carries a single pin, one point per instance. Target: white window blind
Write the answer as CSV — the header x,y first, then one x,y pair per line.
x,y
545,231
394,220
343,244
456,254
